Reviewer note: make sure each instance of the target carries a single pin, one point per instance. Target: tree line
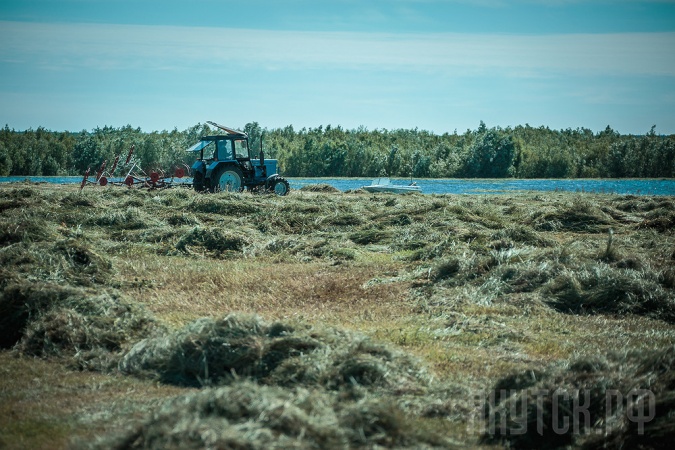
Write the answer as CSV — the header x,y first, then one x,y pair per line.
x,y
520,152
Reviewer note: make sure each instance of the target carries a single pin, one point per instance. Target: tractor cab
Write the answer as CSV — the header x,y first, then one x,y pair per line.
x,y
224,163
215,149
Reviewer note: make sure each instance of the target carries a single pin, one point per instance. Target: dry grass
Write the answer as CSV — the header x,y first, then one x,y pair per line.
x,y
46,405
479,289
315,291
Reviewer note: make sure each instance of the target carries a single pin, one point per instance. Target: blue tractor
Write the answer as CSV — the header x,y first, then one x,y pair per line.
x,y
224,163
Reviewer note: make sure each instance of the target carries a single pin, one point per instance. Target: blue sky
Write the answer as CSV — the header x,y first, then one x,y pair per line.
x,y
437,65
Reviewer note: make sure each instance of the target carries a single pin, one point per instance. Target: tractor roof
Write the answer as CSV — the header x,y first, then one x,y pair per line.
x,y
206,140
227,130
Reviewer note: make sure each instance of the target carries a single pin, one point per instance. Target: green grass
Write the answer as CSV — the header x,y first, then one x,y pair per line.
x,y
474,290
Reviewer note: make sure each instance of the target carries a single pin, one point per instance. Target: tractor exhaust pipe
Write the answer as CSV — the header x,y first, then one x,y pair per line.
x,y
262,156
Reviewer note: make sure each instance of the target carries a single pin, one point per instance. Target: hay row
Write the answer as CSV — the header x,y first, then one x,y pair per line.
x,y
612,391
211,352
250,416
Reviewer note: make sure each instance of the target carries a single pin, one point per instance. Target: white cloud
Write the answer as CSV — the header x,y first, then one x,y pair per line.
x,y
60,46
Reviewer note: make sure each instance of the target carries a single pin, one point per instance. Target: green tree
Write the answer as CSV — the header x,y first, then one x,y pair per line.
x,y
87,153
5,160
490,155
255,136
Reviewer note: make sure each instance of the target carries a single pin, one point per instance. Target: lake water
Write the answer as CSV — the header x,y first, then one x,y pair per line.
x,y
461,186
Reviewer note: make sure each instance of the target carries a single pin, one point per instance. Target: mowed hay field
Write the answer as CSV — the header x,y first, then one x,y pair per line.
x,y
170,319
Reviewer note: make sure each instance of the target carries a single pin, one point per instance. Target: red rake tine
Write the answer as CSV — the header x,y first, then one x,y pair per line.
x,y
131,152
100,170
112,171
84,179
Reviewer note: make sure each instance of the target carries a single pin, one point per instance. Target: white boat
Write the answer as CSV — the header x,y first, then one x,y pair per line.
x,y
385,185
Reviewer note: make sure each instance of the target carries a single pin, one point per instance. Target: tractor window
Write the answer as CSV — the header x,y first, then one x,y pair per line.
x,y
208,150
241,148
224,150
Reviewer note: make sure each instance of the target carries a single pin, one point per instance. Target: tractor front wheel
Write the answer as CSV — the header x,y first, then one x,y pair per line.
x,y
280,186
228,179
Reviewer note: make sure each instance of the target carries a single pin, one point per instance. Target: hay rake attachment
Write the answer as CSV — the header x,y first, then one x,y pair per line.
x,y
135,176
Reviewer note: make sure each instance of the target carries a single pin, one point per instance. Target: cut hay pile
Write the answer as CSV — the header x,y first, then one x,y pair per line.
x,y
36,276
246,415
281,386
89,332
211,241
220,351
604,289
603,402
660,220
54,300
65,261
22,302
224,204
580,215
321,187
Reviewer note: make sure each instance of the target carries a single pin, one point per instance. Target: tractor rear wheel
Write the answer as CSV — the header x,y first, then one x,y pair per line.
x,y
228,179
280,186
